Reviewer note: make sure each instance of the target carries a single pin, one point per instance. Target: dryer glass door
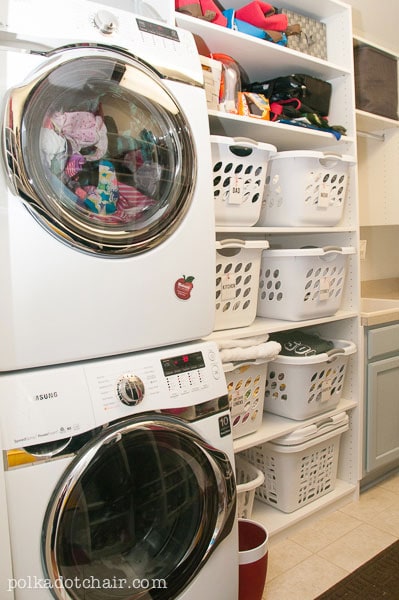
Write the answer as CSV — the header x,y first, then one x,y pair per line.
x,y
138,512
100,151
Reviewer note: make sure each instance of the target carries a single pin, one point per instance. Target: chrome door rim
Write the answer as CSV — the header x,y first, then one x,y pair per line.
x,y
93,238
219,462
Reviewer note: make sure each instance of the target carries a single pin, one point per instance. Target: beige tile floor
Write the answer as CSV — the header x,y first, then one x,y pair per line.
x,y
311,560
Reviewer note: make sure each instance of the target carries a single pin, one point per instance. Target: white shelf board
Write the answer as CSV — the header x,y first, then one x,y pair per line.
x,y
284,137
274,426
369,123
254,230
278,61
263,325
276,521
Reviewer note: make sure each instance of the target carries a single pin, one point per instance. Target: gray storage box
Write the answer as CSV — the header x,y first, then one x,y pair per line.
x,y
313,38
376,82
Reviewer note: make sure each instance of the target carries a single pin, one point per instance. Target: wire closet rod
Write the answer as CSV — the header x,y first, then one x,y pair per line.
x,y
375,136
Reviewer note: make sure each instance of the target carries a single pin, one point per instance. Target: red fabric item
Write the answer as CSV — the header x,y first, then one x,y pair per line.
x,y
220,19
181,3
256,13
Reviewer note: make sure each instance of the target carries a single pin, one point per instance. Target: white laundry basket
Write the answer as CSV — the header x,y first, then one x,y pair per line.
x,y
302,283
302,387
248,478
246,383
305,188
237,281
239,174
301,466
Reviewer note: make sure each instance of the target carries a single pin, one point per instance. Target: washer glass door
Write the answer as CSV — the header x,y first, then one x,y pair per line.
x,y
138,512
100,151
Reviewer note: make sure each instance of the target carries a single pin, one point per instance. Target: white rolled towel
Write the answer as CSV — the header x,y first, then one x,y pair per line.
x,y
266,351
242,342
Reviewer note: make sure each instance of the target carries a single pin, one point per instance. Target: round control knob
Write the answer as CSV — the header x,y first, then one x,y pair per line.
x,y
130,390
105,21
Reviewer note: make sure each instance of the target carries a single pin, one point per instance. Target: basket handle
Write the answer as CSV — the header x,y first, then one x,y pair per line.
x,y
231,366
327,249
243,150
245,140
331,159
231,242
334,351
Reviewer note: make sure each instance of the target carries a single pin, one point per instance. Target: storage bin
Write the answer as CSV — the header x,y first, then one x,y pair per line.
x,y
237,281
212,72
313,37
376,82
248,478
246,383
239,173
301,466
302,387
302,283
305,188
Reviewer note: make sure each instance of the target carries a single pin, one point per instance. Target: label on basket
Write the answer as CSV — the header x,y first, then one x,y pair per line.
x,y
324,195
228,287
237,403
236,191
325,391
325,283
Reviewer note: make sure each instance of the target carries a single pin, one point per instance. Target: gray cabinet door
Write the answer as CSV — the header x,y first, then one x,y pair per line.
x,y
382,413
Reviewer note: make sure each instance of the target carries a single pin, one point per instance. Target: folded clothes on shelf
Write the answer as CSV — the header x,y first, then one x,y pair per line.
x,y
300,343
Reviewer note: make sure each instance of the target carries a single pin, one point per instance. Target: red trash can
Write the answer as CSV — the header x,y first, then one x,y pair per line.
x,y
253,554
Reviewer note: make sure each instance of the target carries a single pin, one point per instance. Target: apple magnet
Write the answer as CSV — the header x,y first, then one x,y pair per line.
x,y
183,287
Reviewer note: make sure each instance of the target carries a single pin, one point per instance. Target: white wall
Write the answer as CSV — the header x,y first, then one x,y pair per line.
x,y
378,22
382,256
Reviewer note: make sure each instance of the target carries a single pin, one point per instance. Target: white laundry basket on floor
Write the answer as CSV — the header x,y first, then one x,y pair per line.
x,y
305,188
302,283
239,174
237,281
248,478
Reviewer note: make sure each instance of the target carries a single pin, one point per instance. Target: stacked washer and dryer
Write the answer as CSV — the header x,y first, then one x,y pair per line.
x,y
118,478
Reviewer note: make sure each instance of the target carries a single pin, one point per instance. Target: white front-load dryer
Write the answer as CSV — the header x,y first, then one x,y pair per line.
x,y
119,479
106,205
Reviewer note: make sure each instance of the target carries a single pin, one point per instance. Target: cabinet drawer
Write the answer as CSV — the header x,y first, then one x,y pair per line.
x,y
383,340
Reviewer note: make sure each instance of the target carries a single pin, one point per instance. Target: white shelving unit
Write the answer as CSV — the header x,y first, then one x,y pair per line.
x,y
264,60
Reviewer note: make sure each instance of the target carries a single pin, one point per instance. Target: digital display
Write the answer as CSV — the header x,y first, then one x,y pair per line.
x,y
156,29
182,363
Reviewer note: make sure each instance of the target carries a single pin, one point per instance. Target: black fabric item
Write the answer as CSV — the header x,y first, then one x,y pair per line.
x,y
376,82
314,94
376,579
298,343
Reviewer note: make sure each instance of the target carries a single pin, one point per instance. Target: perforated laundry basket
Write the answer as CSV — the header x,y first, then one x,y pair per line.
x,y
237,281
301,466
305,188
239,174
248,478
302,283
302,387
246,383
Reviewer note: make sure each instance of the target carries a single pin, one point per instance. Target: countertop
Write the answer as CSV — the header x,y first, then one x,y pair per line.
x,y
380,302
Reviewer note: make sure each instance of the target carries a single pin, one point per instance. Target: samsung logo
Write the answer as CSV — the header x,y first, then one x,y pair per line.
x,y
46,396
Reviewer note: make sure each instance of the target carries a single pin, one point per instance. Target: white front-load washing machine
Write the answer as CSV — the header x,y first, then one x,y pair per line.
x,y
119,478
106,205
